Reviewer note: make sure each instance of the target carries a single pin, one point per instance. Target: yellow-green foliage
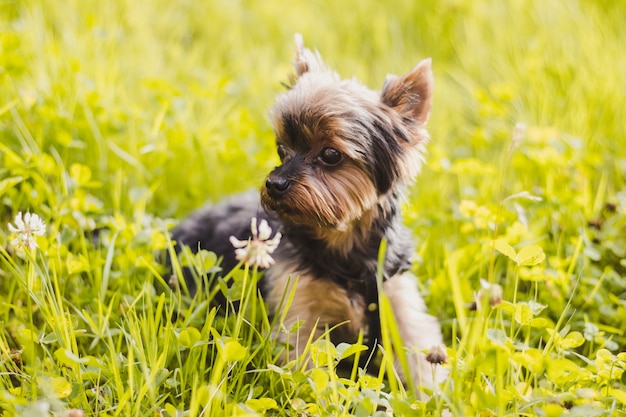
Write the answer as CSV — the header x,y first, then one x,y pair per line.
x,y
119,117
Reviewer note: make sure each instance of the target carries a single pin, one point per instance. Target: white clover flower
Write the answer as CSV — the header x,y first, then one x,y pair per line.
x,y
26,228
257,249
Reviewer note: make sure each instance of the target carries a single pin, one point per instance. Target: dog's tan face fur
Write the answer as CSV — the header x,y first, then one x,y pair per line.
x,y
344,148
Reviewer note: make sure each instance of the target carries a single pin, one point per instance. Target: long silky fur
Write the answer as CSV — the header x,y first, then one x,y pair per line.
x,y
334,218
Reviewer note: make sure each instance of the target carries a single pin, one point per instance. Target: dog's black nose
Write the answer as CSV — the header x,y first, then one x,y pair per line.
x,y
277,186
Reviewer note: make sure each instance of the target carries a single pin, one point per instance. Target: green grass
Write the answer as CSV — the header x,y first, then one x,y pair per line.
x,y
118,118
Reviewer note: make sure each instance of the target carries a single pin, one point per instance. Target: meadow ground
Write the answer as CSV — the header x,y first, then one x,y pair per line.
x,y
119,117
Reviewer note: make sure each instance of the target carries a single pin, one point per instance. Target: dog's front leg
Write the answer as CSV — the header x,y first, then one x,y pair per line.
x,y
317,305
419,330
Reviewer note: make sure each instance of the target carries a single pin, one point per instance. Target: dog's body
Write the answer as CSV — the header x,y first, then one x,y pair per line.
x,y
347,153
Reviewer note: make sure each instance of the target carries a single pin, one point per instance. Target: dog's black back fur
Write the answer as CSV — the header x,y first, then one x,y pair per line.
x,y
211,226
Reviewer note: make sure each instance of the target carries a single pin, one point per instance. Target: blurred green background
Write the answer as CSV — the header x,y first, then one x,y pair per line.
x,y
117,118
153,107
168,99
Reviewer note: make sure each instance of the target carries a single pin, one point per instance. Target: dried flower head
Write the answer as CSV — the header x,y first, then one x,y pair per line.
x,y
173,282
257,249
519,132
75,412
437,355
26,227
492,291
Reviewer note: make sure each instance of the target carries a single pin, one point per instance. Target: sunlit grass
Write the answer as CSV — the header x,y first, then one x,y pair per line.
x,y
119,117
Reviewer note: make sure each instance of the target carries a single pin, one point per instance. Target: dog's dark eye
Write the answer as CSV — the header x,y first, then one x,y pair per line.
x,y
330,156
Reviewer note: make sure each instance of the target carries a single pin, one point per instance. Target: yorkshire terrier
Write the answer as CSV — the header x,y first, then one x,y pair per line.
x,y
347,153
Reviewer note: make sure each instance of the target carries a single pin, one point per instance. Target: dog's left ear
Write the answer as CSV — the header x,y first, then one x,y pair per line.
x,y
306,60
411,94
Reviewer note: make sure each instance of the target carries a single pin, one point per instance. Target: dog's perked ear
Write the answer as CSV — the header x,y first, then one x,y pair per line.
x,y
306,60
411,94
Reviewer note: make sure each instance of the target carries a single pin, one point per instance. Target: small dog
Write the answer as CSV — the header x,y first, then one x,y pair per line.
x,y
347,153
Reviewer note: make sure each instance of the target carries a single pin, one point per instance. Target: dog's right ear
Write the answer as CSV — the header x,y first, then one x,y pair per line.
x,y
305,60
412,93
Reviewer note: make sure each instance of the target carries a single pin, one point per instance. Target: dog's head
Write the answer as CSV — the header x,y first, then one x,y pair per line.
x,y
344,149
